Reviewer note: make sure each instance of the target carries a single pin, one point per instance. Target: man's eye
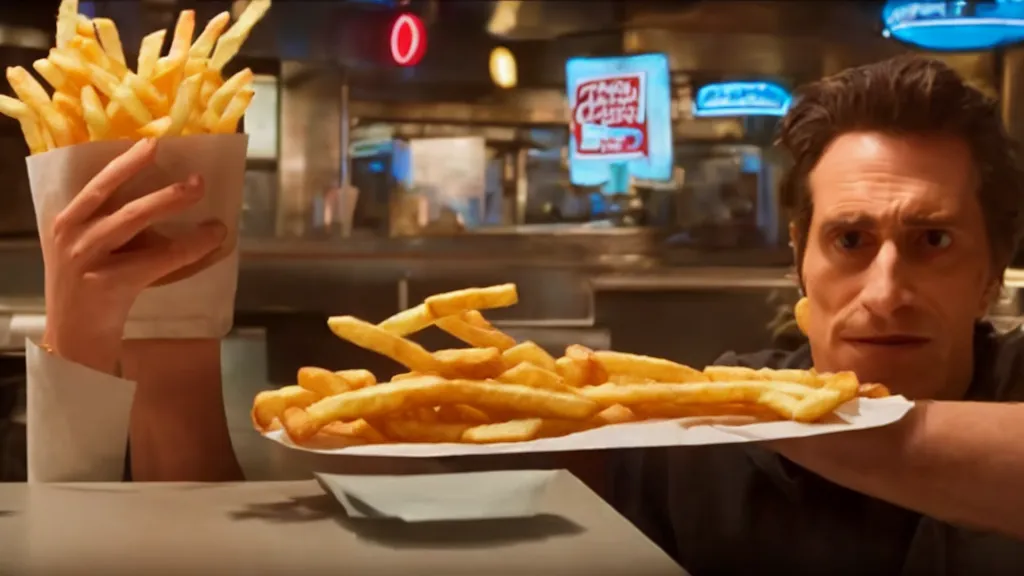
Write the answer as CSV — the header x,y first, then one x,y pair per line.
x,y
850,240
938,239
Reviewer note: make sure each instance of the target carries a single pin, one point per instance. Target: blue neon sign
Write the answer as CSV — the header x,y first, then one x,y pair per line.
x,y
956,25
741,99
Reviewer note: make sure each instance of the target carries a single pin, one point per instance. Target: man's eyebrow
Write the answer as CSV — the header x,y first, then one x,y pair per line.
x,y
849,221
931,221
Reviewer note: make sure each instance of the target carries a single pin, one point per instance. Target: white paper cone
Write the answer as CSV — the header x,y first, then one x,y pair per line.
x,y
201,306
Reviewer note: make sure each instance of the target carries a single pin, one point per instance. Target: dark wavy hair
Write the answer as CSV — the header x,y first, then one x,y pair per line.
x,y
907,95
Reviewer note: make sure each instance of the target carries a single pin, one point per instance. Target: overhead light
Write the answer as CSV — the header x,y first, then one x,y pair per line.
x,y
503,68
504,18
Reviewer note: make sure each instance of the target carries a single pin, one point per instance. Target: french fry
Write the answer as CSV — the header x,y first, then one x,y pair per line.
x,y
34,95
71,65
327,383
53,75
149,53
67,22
271,404
529,352
183,32
93,53
392,397
459,301
531,375
656,369
230,42
228,122
461,328
366,335
203,45
30,126
110,39
408,321
184,102
471,363
220,98
95,116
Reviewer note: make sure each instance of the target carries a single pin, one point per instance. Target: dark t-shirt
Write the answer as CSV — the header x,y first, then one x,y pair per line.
x,y
739,509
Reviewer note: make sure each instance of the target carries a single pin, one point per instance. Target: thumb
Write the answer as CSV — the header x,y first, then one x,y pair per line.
x,y
147,267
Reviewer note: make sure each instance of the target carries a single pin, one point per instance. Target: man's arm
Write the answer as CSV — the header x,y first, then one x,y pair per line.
x,y
960,462
178,428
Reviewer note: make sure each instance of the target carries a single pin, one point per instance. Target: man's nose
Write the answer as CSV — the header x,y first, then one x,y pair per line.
x,y
887,286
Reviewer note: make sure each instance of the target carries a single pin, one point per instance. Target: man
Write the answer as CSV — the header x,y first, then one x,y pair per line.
x,y
909,202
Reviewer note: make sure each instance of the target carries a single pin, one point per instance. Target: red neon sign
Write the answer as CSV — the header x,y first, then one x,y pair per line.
x,y
408,40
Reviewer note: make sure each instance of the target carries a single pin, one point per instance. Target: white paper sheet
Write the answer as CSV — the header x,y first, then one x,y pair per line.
x,y
859,414
436,497
201,306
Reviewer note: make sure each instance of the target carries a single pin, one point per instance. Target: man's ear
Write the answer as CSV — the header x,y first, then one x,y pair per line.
x,y
989,298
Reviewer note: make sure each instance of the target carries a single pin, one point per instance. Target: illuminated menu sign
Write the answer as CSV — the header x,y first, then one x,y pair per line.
x,y
961,25
741,99
621,119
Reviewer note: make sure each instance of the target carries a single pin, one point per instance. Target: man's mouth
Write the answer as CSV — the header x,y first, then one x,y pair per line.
x,y
891,340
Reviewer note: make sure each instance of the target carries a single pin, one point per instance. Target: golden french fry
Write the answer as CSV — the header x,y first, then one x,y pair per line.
x,y
183,105
355,429
53,75
73,67
475,318
130,103
168,74
528,352
459,301
462,413
527,374
474,335
230,42
271,404
95,116
431,432
71,108
110,39
147,93
384,399
183,32
155,129
105,82
673,411
327,383
35,134
614,414
93,53
470,363
228,122
511,431
84,27
408,321
14,108
654,368
203,45
222,96
149,53
366,335
593,371
67,22
32,93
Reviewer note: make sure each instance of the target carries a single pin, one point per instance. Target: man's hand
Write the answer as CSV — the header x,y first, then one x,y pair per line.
x,y
100,258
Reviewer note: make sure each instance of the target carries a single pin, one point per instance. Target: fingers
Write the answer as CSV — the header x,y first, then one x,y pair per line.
x,y
114,231
143,268
103,185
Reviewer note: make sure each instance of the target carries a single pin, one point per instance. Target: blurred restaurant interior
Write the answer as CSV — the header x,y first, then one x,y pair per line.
x,y
403,148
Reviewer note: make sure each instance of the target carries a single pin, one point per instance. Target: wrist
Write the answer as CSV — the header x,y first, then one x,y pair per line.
x,y
96,351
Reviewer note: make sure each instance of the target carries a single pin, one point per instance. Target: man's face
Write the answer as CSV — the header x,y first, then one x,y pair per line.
x,y
896,267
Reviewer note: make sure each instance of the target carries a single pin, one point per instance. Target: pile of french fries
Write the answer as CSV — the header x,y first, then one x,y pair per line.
x,y
498,390
95,96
